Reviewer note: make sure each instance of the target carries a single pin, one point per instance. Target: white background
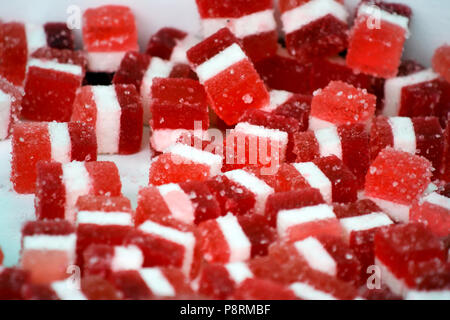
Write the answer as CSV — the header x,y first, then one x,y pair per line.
x,y
430,28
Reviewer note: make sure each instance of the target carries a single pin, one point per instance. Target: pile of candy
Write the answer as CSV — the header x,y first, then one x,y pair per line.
x,y
318,168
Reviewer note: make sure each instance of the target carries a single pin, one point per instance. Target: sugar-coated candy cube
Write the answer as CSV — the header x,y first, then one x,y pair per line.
x,y
223,240
301,223
50,89
441,61
377,38
282,72
335,69
189,202
181,163
434,211
259,232
102,259
140,69
10,105
115,112
105,203
255,145
219,281
413,95
178,105
341,103
230,80
12,281
314,28
295,199
422,136
38,141
399,249
151,283
262,289
165,246
101,227
395,180
13,52
316,256
59,36
48,249
350,143
108,33
253,23
98,288
58,186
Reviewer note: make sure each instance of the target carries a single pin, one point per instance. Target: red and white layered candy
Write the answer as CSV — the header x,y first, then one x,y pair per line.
x,y
67,290
58,186
434,211
314,28
108,33
398,94
301,223
249,144
260,190
230,80
220,280
181,163
254,23
315,178
223,240
102,259
165,246
189,202
316,256
277,98
151,283
10,103
116,114
48,249
39,141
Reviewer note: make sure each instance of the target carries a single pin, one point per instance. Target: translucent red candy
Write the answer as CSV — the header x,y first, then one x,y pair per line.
x,y
162,43
340,103
434,211
397,176
13,52
48,249
10,105
261,289
260,234
401,248
59,36
445,168
103,203
314,28
441,61
376,43
98,288
282,72
12,281
234,87
34,142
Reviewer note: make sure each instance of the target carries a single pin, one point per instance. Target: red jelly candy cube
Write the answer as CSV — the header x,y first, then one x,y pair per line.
x,y
162,43
98,288
59,36
434,211
10,104
441,61
259,232
233,87
103,203
259,289
12,282
13,52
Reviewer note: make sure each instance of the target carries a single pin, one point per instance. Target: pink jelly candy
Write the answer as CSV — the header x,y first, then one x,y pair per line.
x,y
58,186
434,211
223,240
399,249
314,28
377,38
116,114
34,142
422,136
178,105
10,104
340,103
350,143
232,87
441,61
187,202
102,259
50,89
48,249
395,180
181,163
108,33
219,281
253,23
